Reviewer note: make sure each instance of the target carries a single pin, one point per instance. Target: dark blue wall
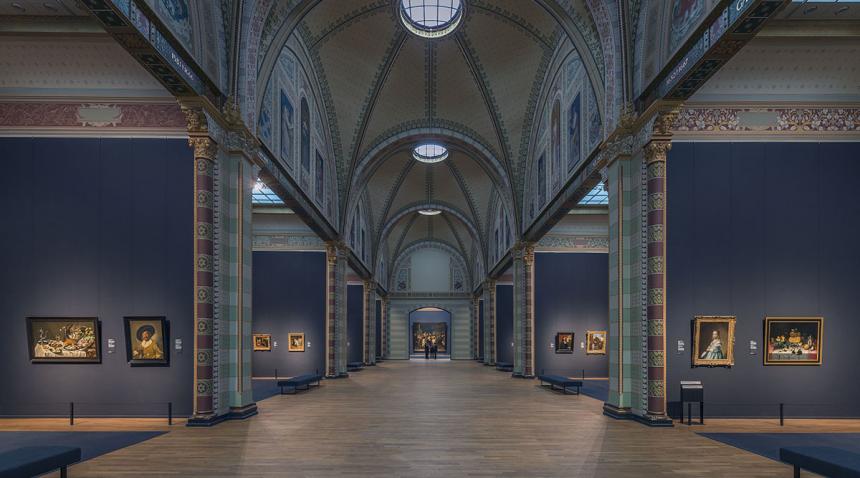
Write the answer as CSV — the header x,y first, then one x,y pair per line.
x,y
96,227
571,295
289,296
355,322
504,323
378,315
429,316
765,230
481,329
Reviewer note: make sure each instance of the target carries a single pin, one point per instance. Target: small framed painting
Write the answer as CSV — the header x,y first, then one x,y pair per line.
x,y
713,341
262,342
146,340
64,339
296,341
793,340
564,343
595,342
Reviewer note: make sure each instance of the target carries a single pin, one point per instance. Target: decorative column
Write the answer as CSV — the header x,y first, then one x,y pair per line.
x,y
523,256
205,150
386,327
475,325
369,323
336,311
655,160
490,322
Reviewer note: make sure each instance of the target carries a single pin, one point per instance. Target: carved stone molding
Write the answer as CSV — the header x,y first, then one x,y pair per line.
x,y
204,147
785,121
657,151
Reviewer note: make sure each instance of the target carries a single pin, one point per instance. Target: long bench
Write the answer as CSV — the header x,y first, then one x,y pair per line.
x,y
354,366
38,460
559,381
505,366
295,383
823,460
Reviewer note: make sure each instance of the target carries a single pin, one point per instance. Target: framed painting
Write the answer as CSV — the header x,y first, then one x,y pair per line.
x,y
64,339
713,341
793,340
296,342
262,342
564,343
595,342
147,341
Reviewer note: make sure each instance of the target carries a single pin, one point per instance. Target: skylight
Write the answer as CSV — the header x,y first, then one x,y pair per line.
x,y
431,18
430,153
263,195
596,197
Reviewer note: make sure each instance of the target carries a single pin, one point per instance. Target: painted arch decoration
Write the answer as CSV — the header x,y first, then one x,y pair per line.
x,y
570,129
455,277
290,124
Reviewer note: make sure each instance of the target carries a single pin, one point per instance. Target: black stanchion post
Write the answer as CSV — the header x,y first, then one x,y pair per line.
x,y
701,413
71,413
781,414
170,413
689,413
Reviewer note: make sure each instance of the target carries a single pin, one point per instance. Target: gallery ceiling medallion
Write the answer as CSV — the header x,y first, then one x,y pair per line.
x,y
429,211
431,18
430,153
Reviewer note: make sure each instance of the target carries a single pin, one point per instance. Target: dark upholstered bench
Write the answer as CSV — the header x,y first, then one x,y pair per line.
x,y
559,381
37,460
295,383
505,366
823,460
354,366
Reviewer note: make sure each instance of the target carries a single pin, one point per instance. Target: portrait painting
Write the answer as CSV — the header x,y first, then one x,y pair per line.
x,y
296,342
564,343
306,137
713,341
146,340
262,342
793,340
286,128
595,342
574,136
555,130
541,180
64,339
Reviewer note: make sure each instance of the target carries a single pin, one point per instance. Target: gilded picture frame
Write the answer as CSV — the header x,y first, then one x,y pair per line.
x,y
262,342
64,339
595,342
147,341
793,340
296,342
713,341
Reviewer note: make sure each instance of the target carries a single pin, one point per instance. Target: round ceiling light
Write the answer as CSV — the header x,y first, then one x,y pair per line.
x,y
430,153
431,18
429,211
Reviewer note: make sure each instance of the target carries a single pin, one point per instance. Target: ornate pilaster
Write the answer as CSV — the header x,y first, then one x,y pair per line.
x,y
475,347
655,160
490,322
369,323
336,354
524,257
205,151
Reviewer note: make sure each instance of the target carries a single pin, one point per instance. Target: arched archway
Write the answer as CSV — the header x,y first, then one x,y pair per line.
x,y
429,329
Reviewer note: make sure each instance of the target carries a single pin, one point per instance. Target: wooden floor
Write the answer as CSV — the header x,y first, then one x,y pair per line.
x,y
429,419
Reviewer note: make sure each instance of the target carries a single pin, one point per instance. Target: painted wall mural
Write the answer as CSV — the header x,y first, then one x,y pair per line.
x,y
431,267
571,127
502,233
284,124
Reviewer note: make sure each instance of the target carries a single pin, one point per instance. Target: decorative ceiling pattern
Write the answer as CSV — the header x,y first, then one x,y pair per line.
x,y
477,90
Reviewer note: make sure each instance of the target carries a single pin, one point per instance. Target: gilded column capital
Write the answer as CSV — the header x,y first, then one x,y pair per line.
x,y
369,286
490,284
204,147
664,121
657,151
196,119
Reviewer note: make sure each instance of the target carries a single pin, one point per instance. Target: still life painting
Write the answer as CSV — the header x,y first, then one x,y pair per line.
x,y
793,340
63,339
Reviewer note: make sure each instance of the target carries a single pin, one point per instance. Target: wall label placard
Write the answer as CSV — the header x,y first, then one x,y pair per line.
x,y
681,346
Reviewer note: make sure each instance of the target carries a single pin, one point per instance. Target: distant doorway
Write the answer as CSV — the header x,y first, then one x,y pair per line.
x,y
429,327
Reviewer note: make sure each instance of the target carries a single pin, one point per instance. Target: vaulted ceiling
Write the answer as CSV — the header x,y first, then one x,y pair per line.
x,y
386,89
